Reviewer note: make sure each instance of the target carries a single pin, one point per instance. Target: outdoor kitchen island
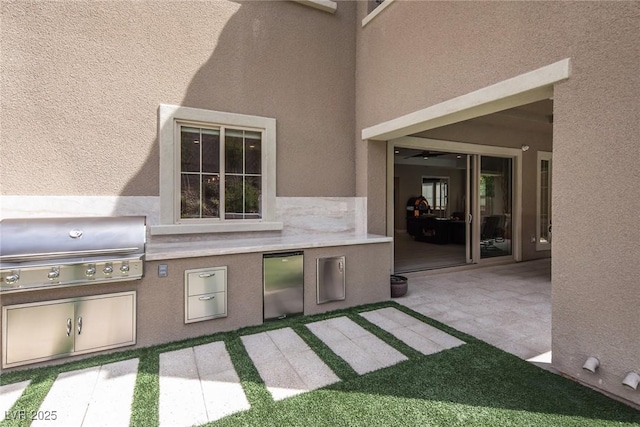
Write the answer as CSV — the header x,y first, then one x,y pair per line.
x,y
162,296
162,301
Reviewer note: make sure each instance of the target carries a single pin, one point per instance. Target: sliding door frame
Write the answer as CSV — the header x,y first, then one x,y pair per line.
x,y
474,150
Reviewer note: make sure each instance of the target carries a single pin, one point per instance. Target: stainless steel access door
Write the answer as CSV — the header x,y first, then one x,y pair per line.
x,y
331,279
37,332
283,284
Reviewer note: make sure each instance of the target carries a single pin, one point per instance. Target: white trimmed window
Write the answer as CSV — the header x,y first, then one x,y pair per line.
x,y
436,191
217,172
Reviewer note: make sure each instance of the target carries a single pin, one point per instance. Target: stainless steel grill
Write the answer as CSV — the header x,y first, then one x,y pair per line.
x,y
40,253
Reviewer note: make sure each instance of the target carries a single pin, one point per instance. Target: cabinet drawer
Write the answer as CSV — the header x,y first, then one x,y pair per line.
x,y
208,306
206,281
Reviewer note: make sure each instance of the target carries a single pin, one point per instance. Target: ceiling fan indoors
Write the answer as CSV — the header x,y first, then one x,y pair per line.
x,y
426,154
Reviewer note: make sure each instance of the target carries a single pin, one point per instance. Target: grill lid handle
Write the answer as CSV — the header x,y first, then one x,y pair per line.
x,y
67,254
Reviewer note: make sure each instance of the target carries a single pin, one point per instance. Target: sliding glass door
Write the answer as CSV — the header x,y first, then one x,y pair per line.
x,y
471,205
495,199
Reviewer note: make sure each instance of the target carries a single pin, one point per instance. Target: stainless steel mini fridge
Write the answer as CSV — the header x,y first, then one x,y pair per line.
x,y
283,276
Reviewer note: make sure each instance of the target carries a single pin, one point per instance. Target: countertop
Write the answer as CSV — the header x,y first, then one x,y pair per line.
x,y
191,249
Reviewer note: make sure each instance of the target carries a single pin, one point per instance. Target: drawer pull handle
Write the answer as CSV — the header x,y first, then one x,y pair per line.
x,y
69,327
207,274
79,325
207,298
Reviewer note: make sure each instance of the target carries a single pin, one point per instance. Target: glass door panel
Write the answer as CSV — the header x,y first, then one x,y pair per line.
x,y
495,197
543,218
468,207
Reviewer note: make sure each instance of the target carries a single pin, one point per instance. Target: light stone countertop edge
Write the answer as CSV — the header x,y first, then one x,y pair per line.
x,y
190,249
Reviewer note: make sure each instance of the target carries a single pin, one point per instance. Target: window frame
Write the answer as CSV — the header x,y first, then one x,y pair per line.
x,y
170,118
543,156
434,181
222,173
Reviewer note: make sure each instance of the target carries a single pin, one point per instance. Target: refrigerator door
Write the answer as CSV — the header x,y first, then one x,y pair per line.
x,y
331,279
283,285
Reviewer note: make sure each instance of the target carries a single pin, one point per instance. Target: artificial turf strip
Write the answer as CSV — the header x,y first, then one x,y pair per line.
x,y
254,388
33,395
473,384
403,348
342,369
144,408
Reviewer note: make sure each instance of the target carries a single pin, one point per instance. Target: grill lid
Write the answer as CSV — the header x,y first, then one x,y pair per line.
x,y
45,252
32,239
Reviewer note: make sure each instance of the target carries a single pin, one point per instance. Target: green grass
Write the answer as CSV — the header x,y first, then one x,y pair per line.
x,y
474,384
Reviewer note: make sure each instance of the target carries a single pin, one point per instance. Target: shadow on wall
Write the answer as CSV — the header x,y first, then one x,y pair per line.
x,y
275,59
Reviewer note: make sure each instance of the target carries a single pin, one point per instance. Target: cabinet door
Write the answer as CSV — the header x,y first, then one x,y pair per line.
x,y
105,322
37,332
331,279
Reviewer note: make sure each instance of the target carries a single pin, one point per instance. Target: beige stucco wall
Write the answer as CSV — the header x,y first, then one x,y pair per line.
x,y
82,81
417,54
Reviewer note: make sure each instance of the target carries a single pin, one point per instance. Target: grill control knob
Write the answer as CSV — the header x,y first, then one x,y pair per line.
x,y
54,273
108,269
124,268
91,270
12,278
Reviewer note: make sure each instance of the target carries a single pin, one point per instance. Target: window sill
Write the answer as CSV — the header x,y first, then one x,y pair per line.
x,y
324,5
227,227
377,11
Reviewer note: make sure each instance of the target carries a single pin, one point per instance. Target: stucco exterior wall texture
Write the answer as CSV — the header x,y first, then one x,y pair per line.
x,y
82,81
417,54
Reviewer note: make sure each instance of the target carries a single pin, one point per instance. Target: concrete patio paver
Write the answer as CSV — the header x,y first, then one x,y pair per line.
x,y
422,337
69,397
9,395
111,400
97,396
286,364
180,400
362,350
198,385
221,389
508,306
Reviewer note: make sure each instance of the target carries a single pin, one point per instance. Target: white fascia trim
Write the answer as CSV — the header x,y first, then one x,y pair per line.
x,y
454,146
324,5
523,89
377,11
226,227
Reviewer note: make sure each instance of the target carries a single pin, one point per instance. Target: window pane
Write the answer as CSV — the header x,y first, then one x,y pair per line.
x,y
210,150
544,201
252,196
234,197
190,149
496,186
210,196
233,151
190,196
253,153
427,193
